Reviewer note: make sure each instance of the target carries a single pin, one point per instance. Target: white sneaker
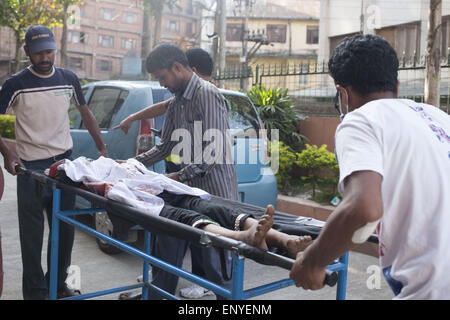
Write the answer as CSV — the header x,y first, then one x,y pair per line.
x,y
195,292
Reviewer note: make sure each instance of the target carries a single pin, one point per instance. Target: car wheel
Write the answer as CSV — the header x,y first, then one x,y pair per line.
x,y
104,225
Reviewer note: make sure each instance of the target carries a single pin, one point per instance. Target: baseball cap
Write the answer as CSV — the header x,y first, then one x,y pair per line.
x,y
39,38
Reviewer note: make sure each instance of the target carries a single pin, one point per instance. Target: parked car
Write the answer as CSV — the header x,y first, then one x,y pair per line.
x,y
113,101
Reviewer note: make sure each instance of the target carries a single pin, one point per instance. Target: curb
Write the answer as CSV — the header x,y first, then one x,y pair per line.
x,y
308,208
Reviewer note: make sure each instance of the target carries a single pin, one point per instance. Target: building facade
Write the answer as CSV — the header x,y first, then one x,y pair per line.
x,y
403,23
292,40
107,32
182,24
292,36
104,38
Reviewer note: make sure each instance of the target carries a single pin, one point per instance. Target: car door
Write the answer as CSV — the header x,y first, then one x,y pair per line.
x,y
248,148
104,103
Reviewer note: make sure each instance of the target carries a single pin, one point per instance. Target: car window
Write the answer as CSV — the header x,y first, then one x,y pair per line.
x,y
243,117
104,104
73,111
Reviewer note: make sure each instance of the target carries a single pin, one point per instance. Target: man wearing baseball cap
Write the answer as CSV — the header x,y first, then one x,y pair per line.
x,y
40,96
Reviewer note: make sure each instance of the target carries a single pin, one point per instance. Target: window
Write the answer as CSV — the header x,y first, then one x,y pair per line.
x,y
243,118
173,25
407,40
106,41
189,31
107,14
73,111
189,7
234,32
74,63
312,34
104,65
76,37
130,17
104,104
128,44
303,79
276,33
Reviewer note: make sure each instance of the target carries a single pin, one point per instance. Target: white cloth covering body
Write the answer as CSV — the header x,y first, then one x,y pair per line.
x,y
130,182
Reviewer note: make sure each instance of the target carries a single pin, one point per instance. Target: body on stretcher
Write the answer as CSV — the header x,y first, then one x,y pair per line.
x,y
161,225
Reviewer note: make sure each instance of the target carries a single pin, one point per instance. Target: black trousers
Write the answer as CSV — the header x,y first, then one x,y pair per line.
x,y
191,210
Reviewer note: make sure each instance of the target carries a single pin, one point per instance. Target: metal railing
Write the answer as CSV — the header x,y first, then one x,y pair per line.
x,y
313,89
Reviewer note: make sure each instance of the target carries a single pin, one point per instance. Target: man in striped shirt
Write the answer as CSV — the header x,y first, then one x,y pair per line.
x,y
196,120
40,96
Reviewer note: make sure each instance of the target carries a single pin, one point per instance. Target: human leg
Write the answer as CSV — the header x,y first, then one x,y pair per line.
x,y
208,210
235,225
172,251
211,264
65,241
259,233
31,233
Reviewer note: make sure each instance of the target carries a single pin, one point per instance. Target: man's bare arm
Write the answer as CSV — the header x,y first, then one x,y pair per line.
x,y
152,111
10,158
362,204
93,128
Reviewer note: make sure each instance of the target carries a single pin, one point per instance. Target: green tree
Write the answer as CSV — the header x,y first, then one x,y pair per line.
x,y
21,14
152,20
321,167
64,16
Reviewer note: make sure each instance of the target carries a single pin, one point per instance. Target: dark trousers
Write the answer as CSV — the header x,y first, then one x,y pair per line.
x,y
32,199
206,261
189,209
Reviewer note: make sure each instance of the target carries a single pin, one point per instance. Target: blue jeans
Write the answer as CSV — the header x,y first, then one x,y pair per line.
x,y
32,199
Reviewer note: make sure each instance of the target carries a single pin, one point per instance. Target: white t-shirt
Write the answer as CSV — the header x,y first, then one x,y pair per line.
x,y
408,143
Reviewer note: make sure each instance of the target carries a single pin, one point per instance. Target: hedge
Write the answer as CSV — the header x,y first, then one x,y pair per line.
x,y
7,125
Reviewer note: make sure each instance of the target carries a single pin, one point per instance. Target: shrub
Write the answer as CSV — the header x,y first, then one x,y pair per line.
x,y
277,111
7,126
284,175
322,170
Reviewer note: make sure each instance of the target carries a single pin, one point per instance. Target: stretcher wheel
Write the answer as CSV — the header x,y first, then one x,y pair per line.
x,y
104,225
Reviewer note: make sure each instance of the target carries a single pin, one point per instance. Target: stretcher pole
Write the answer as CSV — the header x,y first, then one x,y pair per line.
x,y
237,288
342,280
54,243
146,268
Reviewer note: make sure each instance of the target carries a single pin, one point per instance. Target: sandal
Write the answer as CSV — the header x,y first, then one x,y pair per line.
x,y
67,292
130,296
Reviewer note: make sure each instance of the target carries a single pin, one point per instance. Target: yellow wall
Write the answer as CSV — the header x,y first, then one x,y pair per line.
x,y
295,35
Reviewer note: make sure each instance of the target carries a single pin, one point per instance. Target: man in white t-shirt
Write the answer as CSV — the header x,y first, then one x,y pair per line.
x,y
394,160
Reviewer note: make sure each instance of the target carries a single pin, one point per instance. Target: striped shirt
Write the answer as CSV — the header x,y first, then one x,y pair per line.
x,y
41,105
186,130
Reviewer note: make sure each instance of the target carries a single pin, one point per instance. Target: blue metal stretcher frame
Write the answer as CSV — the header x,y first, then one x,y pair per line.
x,y
237,291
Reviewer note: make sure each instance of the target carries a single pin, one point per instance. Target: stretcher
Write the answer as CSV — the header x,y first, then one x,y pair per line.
x,y
336,272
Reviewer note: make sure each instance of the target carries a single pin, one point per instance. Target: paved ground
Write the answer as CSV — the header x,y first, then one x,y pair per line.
x,y
100,271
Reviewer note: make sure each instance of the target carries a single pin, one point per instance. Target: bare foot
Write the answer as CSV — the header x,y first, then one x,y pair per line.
x,y
256,234
297,244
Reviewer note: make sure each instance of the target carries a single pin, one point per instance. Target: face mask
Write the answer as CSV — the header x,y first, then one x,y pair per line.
x,y
338,106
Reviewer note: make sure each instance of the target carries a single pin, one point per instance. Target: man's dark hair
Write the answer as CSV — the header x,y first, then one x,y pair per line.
x,y
163,57
368,63
201,60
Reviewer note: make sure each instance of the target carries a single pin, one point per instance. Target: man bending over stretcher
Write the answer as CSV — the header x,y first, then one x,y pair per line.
x,y
132,183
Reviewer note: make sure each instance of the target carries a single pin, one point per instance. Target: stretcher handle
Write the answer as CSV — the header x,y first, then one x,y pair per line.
x,y
20,169
331,277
